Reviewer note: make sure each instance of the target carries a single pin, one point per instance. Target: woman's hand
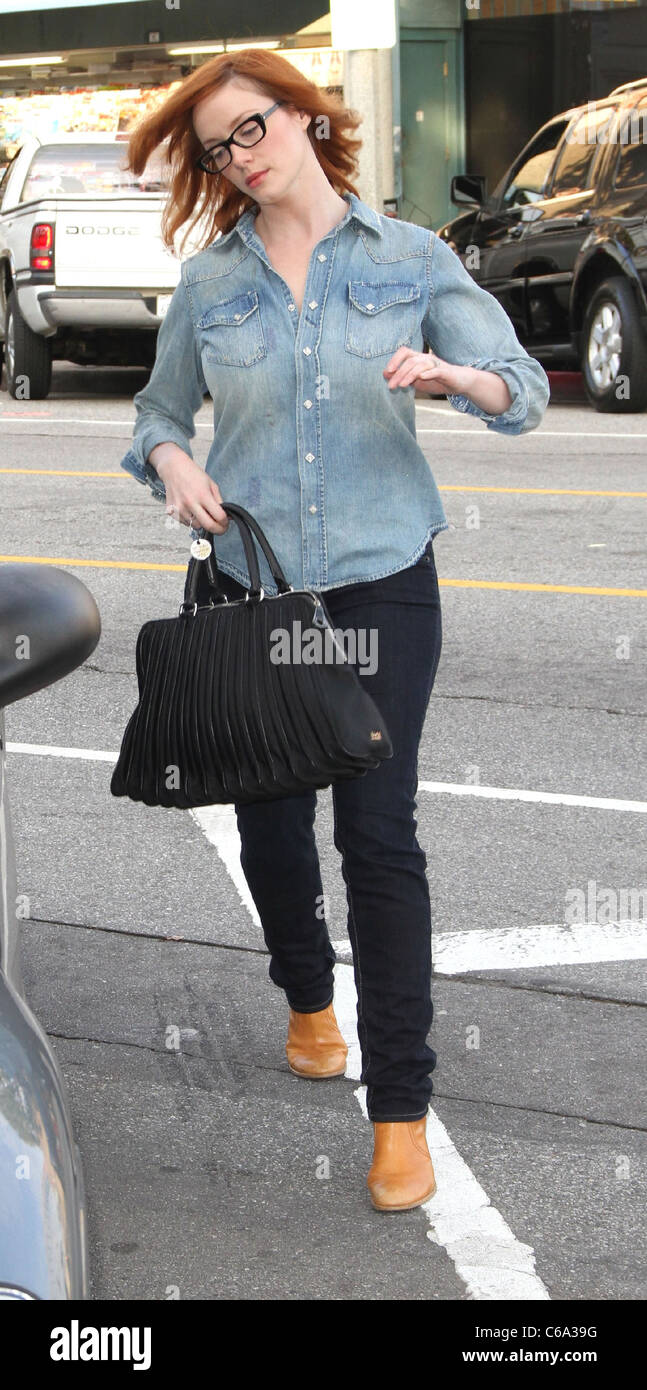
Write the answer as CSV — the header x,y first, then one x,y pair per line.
x,y
191,495
427,373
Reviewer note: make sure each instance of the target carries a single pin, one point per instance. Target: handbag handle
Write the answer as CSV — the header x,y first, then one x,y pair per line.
x,y
233,509
213,573
247,525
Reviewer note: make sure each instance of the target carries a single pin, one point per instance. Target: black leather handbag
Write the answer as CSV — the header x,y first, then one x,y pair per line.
x,y
221,717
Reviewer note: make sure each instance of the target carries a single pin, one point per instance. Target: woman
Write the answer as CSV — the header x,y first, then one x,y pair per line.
x,y
306,321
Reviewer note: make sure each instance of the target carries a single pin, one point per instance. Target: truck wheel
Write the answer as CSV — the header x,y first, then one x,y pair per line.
x,y
614,349
28,360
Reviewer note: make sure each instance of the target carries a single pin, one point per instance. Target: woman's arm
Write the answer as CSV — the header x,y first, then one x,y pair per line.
x,y
485,389
174,393
467,328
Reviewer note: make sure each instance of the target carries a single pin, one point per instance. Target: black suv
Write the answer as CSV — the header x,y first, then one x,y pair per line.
x,y
562,244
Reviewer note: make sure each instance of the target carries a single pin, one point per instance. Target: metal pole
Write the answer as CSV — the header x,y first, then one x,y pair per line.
x,y
397,117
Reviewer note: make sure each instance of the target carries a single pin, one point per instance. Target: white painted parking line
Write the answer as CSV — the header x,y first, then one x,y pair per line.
x,y
52,750
219,825
79,420
531,434
517,948
454,952
420,429
486,1254
475,428
539,433
602,803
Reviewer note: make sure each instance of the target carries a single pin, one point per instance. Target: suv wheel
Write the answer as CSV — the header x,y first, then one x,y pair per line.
x,y
27,355
613,347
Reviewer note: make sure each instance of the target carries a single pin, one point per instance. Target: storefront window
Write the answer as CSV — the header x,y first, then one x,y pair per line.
x,y
112,110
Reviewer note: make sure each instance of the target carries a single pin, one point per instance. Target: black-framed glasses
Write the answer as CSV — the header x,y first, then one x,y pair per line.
x,y
249,132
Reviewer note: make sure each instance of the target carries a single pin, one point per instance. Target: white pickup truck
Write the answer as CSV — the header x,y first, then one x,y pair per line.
x,y
84,274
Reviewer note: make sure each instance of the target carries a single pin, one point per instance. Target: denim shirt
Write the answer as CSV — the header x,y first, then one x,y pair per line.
x,y
307,434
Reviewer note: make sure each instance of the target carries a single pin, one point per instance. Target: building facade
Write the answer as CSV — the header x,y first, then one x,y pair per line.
x,y
466,84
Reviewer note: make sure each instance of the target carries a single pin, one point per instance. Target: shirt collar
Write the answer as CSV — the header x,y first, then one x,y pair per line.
x,y
357,209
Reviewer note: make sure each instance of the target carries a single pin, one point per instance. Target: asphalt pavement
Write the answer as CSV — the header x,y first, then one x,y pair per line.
x,y
212,1171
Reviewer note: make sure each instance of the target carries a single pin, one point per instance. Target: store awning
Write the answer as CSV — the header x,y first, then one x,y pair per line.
x,y
47,31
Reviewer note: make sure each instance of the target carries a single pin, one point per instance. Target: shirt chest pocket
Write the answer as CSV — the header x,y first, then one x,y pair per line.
x,y
380,317
231,331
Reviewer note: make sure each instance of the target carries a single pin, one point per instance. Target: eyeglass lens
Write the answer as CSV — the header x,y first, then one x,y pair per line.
x,y
248,134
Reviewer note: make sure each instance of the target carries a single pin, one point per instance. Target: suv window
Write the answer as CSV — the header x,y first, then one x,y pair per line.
x,y
528,182
95,171
575,162
631,161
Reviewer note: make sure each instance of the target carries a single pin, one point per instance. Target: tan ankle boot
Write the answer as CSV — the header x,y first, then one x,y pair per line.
x,y
401,1174
315,1046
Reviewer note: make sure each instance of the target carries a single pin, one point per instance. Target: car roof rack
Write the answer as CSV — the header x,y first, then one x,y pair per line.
x,y
629,87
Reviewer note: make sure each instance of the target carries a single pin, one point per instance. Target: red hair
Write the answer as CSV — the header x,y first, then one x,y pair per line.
x,y
194,194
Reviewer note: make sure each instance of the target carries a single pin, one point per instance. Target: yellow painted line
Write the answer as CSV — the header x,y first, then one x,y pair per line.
x,y
69,472
444,487
448,583
543,588
93,564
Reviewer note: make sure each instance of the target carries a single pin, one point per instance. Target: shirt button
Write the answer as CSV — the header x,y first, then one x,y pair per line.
x,y
309,457
312,508
370,306
307,404
290,307
236,316
312,304
321,256
307,351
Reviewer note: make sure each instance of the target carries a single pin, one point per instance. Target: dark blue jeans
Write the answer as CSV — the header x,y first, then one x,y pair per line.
x,y
389,921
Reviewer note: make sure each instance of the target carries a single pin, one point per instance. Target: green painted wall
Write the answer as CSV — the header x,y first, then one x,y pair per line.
x,y
432,14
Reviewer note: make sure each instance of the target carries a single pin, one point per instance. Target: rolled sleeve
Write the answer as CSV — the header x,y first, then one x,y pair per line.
x,y
167,405
465,325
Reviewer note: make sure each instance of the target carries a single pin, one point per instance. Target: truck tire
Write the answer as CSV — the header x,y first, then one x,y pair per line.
x,y
614,349
28,360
